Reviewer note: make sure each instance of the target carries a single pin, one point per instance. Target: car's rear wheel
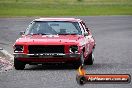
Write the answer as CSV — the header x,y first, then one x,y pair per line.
x,y
89,60
19,65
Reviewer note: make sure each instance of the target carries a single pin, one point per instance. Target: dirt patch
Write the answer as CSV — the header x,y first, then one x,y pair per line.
x,y
5,63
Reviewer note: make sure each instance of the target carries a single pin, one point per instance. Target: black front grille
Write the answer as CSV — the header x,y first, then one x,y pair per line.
x,y
45,49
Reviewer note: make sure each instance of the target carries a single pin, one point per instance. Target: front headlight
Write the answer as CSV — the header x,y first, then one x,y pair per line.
x,y
73,49
18,48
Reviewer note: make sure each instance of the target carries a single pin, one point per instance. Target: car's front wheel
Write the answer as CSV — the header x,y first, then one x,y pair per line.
x,y
80,62
89,60
19,65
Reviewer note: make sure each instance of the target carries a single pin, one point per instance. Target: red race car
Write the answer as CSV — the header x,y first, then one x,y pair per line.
x,y
54,40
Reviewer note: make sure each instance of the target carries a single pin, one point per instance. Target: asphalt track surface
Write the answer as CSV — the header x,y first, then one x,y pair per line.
x,y
113,55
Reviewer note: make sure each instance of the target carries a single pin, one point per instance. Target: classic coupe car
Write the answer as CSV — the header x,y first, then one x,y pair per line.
x,y
54,40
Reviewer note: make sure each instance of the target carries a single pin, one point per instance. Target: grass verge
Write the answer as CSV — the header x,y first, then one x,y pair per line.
x,y
63,8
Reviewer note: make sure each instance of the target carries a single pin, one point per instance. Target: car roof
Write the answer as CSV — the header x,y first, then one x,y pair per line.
x,y
58,19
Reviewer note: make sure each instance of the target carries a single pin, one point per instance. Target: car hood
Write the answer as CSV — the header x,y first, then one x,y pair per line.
x,y
49,39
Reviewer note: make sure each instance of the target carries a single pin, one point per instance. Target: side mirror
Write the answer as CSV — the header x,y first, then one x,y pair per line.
x,y
86,34
87,29
22,33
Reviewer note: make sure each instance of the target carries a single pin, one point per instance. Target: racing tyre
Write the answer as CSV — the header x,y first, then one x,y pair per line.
x,y
19,65
80,62
89,60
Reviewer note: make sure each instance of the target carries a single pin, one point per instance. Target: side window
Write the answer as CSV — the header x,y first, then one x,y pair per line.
x,y
84,26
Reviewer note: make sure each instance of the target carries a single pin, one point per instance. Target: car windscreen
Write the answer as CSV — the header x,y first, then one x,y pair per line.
x,y
53,27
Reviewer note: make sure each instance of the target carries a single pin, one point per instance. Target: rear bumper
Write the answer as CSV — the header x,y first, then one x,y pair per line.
x,y
47,57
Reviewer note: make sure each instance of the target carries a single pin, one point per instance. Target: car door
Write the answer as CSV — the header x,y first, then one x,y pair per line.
x,y
89,38
86,39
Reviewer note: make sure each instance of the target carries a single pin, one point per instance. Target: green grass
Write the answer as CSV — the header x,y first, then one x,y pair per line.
x,y
64,7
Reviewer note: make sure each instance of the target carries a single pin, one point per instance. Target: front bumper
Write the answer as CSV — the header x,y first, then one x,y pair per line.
x,y
47,55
